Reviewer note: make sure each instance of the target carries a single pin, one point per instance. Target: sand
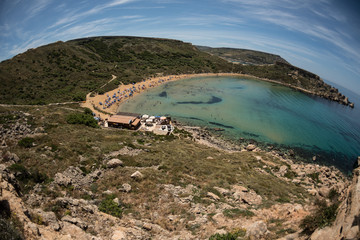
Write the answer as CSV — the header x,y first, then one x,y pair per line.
x,y
123,91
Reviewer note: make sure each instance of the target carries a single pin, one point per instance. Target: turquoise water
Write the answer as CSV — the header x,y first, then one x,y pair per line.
x,y
265,112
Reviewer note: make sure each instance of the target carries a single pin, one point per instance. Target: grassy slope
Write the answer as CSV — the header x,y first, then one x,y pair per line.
x,y
243,56
67,71
189,164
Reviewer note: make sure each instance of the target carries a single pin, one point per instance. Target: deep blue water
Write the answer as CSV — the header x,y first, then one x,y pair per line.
x,y
265,112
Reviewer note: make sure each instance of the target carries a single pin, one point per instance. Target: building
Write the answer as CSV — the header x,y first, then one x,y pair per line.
x,y
124,120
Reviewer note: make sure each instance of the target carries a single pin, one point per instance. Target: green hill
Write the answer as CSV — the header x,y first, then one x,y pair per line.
x,y
243,56
67,71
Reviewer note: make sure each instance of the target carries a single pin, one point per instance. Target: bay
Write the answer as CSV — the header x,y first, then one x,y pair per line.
x,y
265,112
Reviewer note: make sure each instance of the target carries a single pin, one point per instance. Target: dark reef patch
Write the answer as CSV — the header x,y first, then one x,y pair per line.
x,y
221,125
163,94
211,101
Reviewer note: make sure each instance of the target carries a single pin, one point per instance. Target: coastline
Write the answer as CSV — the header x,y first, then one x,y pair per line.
x,y
93,102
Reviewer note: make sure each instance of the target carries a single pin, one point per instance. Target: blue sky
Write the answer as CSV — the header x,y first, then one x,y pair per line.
x,y
321,36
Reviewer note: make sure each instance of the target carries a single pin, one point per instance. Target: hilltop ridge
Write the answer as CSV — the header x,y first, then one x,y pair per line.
x,y
67,71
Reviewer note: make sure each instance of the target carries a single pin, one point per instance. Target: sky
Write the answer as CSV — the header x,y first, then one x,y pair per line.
x,y
321,36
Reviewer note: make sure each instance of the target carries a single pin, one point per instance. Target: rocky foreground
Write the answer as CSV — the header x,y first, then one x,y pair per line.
x,y
67,208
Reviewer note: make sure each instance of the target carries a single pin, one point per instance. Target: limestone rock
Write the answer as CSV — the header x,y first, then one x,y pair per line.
x,y
242,194
347,224
256,230
62,180
137,175
76,221
125,188
213,196
250,147
113,163
47,218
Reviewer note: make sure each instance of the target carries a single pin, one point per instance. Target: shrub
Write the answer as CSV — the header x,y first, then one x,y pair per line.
x,y
110,207
228,236
324,216
82,118
26,142
236,212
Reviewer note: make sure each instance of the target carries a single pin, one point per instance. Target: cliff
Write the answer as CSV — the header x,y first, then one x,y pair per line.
x,y
347,222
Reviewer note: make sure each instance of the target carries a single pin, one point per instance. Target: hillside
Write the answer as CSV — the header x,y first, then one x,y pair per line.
x,y
243,56
67,71
70,181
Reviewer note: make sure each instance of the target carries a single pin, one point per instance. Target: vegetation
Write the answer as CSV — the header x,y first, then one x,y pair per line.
x,y
243,56
324,216
26,142
85,118
67,71
229,236
236,212
109,206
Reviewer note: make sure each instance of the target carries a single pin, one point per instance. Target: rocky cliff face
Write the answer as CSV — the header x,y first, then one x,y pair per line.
x,y
347,223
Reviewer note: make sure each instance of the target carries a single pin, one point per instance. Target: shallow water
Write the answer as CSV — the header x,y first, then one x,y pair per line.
x,y
265,112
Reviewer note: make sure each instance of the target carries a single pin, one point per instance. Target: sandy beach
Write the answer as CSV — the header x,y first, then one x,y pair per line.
x,y
107,104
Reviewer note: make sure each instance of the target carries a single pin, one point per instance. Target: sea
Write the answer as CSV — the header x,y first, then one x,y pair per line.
x,y
262,112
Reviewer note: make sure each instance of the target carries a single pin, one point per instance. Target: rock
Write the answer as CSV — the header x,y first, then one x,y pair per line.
x,y
75,221
283,169
256,230
324,191
213,196
291,152
147,226
242,194
223,191
113,163
346,224
137,175
3,143
117,201
314,158
250,147
47,218
119,235
107,192
351,105
125,188
62,180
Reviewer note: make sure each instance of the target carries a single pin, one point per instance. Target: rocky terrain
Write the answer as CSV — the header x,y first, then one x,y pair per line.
x,y
75,182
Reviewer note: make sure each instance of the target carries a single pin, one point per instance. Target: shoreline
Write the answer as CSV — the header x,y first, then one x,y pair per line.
x,y
123,91
291,155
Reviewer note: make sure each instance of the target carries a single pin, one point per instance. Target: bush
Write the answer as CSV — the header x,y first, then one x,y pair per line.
x,y
228,236
236,212
26,142
324,216
110,207
82,118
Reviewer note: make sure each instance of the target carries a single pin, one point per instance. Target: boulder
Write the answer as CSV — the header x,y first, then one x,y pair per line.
x,y
250,147
119,235
137,176
242,194
324,191
62,180
113,163
47,218
125,188
256,230
76,221
213,196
